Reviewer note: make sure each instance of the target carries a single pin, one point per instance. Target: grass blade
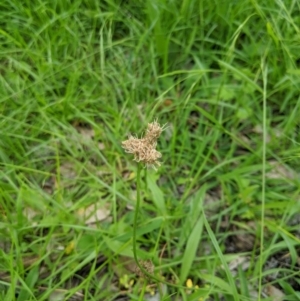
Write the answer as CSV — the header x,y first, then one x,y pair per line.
x,y
191,250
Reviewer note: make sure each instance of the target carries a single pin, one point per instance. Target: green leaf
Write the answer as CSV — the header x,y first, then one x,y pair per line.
x,y
118,247
243,114
216,281
30,281
157,194
190,250
142,229
242,75
272,33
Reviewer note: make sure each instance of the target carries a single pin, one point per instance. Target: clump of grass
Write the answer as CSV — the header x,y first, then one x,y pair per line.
x,y
206,69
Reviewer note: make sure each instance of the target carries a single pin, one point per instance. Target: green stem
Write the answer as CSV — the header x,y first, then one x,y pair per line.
x,y
136,213
145,175
142,294
137,207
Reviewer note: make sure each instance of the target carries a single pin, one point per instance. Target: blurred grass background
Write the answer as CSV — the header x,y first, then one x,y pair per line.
x,y
78,76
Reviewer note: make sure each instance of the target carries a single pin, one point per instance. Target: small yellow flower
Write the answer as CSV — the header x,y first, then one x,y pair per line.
x,y
70,247
126,282
189,283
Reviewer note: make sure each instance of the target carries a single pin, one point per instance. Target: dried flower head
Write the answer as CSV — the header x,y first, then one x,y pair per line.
x,y
153,132
146,265
144,149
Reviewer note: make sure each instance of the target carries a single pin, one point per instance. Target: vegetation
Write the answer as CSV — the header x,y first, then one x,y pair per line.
x,y
219,219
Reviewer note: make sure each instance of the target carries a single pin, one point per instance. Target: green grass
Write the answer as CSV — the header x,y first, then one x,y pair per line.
x,y
224,76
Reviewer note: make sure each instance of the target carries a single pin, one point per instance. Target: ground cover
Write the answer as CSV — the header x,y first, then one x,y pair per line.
x,y
219,218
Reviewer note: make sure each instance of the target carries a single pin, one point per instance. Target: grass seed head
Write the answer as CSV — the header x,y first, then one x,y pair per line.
x,y
144,149
147,265
153,132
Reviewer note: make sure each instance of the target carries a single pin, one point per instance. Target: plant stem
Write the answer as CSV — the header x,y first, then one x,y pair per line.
x,y
137,207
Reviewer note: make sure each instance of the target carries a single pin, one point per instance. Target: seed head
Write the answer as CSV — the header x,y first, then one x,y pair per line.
x,y
153,132
146,265
144,149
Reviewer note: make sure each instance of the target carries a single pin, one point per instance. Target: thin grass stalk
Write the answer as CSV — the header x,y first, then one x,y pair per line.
x,y
135,224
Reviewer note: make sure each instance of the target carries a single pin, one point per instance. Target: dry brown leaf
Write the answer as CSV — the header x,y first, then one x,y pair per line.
x,y
124,265
244,139
274,292
212,201
28,261
101,145
238,261
280,171
132,197
30,213
169,131
153,297
68,175
258,129
242,238
244,242
242,261
67,170
86,134
59,295
94,213
48,185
